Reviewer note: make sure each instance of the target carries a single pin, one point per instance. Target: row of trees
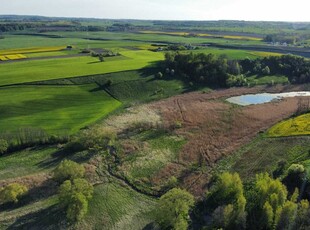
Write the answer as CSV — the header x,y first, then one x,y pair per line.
x,y
222,72
27,137
7,27
265,204
296,68
287,38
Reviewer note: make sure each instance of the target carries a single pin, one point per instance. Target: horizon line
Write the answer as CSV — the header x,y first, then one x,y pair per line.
x,y
137,19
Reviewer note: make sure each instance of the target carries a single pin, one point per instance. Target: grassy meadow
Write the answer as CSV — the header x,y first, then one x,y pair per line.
x,y
266,80
129,91
24,163
234,53
55,109
118,207
263,155
39,70
142,165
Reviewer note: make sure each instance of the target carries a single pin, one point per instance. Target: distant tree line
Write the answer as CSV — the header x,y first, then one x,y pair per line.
x,y
290,39
296,68
16,26
219,71
44,27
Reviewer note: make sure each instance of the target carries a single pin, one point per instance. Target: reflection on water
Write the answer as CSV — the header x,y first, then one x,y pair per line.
x,y
253,99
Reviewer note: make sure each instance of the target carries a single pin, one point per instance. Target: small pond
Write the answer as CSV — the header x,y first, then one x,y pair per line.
x,y
253,99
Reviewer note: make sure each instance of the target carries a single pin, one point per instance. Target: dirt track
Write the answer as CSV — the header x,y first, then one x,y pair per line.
x,y
215,128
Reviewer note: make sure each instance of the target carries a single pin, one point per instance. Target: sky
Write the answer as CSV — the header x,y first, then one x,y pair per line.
x,y
259,10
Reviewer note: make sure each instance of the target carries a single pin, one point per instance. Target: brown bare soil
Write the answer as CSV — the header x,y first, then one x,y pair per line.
x,y
215,128
30,182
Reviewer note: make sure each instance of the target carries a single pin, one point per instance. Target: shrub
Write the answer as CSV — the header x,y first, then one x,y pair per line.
x,y
296,169
94,54
266,70
108,83
12,192
96,138
68,170
178,124
3,146
172,182
101,58
159,75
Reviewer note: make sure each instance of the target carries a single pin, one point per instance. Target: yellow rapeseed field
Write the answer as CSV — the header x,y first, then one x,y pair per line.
x,y
292,127
264,54
12,57
30,50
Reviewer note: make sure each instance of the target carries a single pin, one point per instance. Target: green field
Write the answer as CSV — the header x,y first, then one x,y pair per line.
x,y
59,96
24,163
115,206
266,80
233,53
51,54
292,127
130,90
263,155
37,215
56,109
152,38
38,70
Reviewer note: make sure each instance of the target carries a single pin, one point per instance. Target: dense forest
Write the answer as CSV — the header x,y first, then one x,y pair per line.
x,y
220,72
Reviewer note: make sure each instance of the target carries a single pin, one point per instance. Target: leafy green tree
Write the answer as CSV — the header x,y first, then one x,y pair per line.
x,y
12,192
227,195
234,67
79,185
287,215
268,199
302,219
74,196
101,58
159,75
68,170
266,70
173,209
271,190
296,176
296,169
77,208
268,215
3,146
